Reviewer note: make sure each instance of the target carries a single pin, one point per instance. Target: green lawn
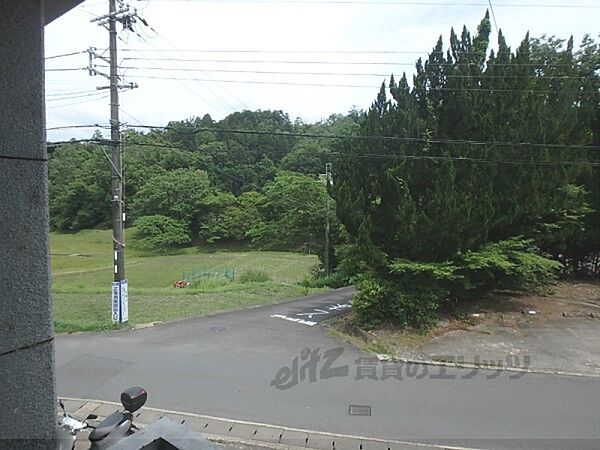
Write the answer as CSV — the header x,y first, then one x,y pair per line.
x,y
82,274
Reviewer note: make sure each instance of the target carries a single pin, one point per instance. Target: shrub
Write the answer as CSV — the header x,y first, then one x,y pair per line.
x,y
510,264
379,302
254,276
335,280
411,292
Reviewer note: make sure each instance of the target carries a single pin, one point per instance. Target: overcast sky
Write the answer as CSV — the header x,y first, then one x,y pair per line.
x,y
198,29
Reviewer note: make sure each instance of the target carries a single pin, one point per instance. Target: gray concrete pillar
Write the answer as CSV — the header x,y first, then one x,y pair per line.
x,y
27,384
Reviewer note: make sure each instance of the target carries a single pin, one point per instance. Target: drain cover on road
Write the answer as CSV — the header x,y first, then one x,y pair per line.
x,y
359,410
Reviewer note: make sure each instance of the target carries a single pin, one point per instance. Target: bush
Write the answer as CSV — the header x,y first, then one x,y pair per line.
x,y
379,302
335,280
511,264
411,292
254,276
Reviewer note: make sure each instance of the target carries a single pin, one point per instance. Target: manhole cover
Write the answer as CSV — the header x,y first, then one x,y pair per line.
x,y
217,328
359,410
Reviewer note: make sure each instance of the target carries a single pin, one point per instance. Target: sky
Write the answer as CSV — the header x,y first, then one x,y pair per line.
x,y
205,56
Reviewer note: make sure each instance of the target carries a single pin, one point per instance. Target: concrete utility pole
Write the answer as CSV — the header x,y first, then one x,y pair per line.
x,y
123,15
127,17
117,148
327,220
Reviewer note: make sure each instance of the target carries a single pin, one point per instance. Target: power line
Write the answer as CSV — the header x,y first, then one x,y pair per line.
x,y
259,82
104,96
57,94
66,69
52,145
352,137
64,55
365,155
374,137
67,127
233,177
387,3
55,144
91,5
291,83
279,72
221,99
368,63
69,82
70,97
419,157
179,80
320,52
493,15
218,96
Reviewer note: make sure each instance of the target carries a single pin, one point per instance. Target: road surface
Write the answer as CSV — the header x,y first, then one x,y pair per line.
x,y
275,364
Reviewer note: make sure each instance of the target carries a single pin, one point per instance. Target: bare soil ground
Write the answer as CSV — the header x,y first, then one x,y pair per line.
x,y
562,332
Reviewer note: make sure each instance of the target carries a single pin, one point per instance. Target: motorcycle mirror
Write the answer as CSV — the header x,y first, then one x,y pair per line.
x,y
91,417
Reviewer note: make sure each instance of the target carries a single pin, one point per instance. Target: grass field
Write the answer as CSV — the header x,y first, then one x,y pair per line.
x,y
82,273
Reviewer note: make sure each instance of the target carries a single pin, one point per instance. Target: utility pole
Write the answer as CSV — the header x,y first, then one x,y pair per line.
x,y
127,17
117,149
327,219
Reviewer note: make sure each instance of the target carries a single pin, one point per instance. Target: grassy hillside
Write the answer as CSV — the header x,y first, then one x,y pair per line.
x,y
82,273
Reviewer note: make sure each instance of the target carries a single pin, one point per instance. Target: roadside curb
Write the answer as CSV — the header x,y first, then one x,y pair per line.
x,y
460,365
240,432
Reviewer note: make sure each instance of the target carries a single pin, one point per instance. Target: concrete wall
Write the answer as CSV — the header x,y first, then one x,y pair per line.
x,y
27,392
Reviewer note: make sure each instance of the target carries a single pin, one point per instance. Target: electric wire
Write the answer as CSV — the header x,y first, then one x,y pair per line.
x,y
387,3
291,83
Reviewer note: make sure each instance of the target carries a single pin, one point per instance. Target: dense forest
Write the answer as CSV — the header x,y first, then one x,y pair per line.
x,y
191,182
482,173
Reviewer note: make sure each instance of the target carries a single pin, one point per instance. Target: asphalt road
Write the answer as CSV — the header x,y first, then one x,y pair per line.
x,y
275,364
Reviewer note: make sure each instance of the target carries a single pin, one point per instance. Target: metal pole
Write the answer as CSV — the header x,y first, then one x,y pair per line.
x,y
115,136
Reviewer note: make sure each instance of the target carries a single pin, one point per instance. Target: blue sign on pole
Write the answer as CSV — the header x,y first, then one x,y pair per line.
x,y
120,301
124,302
116,301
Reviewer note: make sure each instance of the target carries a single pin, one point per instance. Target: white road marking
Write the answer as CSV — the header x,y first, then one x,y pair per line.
x,y
292,319
338,307
317,312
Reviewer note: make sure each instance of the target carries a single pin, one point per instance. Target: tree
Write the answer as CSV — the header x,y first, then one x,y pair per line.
x,y
158,231
181,194
79,187
292,210
238,218
433,195
306,157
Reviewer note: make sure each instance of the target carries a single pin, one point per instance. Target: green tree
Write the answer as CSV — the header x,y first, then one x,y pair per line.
x,y
154,232
79,187
306,157
292,214
181,194
440,191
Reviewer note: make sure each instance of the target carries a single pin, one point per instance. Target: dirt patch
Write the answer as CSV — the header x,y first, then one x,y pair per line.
x,y
564,299
558,329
